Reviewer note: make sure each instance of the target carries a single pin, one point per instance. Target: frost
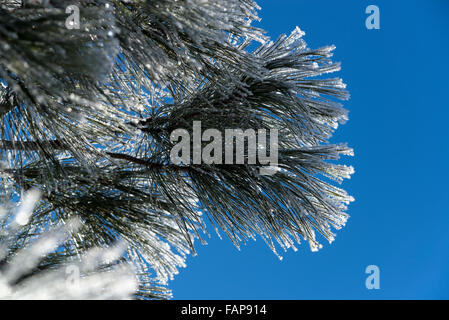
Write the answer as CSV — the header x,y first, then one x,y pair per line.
x,y
27,206
91,282
87,116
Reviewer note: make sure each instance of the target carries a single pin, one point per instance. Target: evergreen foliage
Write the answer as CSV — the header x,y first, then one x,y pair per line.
x,y
86,116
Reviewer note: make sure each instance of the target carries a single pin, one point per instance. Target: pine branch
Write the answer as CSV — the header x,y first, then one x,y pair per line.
x,y
58,145
87,116
41,266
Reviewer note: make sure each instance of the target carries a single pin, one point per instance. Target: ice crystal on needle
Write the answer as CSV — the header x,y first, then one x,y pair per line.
x,y
86,117
30,272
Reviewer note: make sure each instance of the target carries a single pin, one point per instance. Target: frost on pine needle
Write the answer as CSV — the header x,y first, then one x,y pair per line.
x,y
295,201
28,269
86,116
119,205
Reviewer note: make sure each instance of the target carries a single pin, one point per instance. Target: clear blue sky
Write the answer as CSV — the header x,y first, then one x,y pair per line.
x,y
398,78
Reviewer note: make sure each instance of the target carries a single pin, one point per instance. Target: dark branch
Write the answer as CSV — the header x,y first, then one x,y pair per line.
x,y
57,145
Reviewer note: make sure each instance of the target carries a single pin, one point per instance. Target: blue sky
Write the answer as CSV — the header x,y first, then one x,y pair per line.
x,y
398,78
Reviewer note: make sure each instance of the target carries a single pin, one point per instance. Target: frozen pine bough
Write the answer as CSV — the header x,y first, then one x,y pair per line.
x,y
86,116
42,268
